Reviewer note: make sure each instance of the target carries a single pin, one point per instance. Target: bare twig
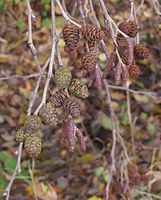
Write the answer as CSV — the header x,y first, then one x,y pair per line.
x,y
52,57
157,7
150,94
21,76
32,100
109,19
17,169
32,18
114,130
66,16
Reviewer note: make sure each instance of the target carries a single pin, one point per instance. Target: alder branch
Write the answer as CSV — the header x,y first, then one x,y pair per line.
x,y
66,17
109,19
52,57
32,18
21,76
157,7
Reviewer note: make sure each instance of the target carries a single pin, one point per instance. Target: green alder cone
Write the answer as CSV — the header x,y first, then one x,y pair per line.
x,y
32,124
33,146
20,135
62,77
78,89
48,114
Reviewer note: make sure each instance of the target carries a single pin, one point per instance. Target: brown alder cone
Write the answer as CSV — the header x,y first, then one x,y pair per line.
x,y
132,169
134,71
58,98
92,33
142,169
141,52
71,36
89,61
72,107
130,28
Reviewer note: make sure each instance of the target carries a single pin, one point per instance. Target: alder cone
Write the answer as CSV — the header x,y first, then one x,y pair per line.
x,y
72,107
48,114
89,61
132,169
32,124
33,146
71,36
92,33
62,77
141,52
20,135
134,71
130,28
58,98
78,89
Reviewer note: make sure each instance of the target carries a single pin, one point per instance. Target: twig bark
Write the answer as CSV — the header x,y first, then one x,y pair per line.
x,y
52,57
32,18
66,16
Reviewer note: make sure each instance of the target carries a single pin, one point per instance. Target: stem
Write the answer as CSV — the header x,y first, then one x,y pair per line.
x,y
66,16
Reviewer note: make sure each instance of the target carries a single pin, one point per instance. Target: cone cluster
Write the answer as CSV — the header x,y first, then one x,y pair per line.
x,y
137,174
129,53
29,134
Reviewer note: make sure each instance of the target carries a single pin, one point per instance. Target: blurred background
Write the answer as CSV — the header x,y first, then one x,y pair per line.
x,y
74,176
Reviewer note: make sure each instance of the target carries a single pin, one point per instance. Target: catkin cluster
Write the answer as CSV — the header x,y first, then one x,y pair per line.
x,y
129,52
91,35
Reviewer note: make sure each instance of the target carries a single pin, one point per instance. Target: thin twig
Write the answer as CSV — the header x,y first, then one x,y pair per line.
x,y
109,19
52,57
150,94
66,16
113,167
32,18
157,7
17,169
21,76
